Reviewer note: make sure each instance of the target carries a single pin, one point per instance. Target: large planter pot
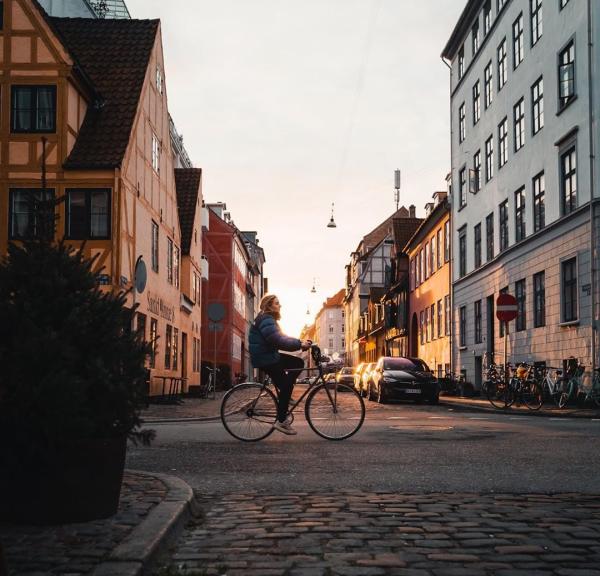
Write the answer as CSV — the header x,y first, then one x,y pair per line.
x,y
81,483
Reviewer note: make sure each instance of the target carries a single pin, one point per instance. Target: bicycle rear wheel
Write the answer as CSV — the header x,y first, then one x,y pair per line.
x,y
248,411
532,395
334,411
498,394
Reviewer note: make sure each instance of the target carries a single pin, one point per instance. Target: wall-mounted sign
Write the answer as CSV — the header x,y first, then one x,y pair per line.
x,y
156,305
141,275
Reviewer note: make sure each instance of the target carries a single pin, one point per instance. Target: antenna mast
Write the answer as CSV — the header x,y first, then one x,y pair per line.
x,y
397,187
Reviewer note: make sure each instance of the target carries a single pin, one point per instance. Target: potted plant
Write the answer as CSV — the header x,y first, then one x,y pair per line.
x,y
71,386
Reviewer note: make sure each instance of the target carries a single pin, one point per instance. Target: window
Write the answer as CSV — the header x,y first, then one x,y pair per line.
x,y
476,102
432,255
446,241
412,275
461,62
569,290
519,124
487,16
461,122
489,158
503,325
539,299
462,251
168,346
176,259
477,319
175,348
154,246
462,188
153,341
30,216
426,257
488,85
537,106
169,261
537,28
447,315
422,324
331,328
462,326
476,185
475,36
33,109
502,143
141,325
566,75
539,210
477,236
520,229
88,214
159,80
330,343
432,317
518,41
568,180
502,64
520,295
489,236
155,153
1,15
503,221
438,246
439,318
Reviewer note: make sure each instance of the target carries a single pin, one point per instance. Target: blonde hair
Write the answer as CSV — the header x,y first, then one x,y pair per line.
x,y
266,306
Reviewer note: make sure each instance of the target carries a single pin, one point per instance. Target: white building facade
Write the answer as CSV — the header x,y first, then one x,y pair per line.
x,y
524,107
330,329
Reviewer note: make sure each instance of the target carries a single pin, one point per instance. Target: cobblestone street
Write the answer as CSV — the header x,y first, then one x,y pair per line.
x,y
377,533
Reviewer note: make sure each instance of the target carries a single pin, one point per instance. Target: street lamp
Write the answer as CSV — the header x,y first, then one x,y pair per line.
x,y
313,290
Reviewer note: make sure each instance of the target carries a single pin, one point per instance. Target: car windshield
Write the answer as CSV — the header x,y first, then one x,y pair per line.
x,y
405,364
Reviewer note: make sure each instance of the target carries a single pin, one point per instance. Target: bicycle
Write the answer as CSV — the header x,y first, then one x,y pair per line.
x,y
521,388
574,387
593,392
249,410
208,389
552,385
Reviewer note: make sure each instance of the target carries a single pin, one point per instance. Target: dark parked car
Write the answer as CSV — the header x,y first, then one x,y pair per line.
x,y
346,376
403,379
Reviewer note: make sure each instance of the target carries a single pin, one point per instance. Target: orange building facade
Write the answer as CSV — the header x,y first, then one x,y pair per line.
x,y
84,117
429,287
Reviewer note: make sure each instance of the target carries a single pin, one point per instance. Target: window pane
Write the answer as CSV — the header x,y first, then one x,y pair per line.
x,y
22,109
76,222
45,109
99,214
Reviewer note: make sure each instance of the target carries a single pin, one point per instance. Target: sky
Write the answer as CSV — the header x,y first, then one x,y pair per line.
x,y
289,106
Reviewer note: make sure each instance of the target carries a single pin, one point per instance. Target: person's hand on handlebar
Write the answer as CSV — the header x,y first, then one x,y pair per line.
x,y
306,344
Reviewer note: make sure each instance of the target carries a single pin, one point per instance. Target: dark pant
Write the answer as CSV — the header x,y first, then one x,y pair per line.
x,y
284,381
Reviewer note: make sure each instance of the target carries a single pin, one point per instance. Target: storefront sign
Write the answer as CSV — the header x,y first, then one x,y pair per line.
x,y
156,305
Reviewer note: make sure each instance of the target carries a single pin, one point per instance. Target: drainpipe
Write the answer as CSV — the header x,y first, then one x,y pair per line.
x,y
593,241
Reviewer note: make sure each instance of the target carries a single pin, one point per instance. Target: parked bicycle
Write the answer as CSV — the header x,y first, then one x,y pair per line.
x,y
208,388
334,411
553,385
573,384
520,387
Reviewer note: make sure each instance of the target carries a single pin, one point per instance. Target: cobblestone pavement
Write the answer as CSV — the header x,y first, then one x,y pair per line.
x,y
75,549
189,407
381,533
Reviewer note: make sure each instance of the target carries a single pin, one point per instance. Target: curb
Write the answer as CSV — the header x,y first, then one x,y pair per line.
x,y
149,538
175,420
467,407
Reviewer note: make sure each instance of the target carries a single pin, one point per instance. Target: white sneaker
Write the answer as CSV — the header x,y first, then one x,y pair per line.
x,y
285,428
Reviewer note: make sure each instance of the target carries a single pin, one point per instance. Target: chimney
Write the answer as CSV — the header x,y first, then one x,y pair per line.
x,y
412,211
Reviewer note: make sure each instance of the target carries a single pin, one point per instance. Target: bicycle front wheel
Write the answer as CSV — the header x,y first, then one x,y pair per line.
x,y
567,390
334,411
498,394
532,395
248,411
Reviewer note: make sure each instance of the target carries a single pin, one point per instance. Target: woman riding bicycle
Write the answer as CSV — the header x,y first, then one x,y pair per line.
x,y
265,340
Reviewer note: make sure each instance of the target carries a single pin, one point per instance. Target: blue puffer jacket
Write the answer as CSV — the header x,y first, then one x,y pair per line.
x,y
266,338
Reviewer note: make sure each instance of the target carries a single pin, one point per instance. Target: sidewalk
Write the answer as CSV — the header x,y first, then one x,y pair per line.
x,y
152,509
190,408
478,404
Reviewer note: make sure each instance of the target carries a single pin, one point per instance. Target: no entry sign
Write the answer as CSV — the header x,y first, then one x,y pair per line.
x,y
506,307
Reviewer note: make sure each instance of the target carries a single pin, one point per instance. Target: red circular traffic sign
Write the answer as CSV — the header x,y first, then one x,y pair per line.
x,y
506,307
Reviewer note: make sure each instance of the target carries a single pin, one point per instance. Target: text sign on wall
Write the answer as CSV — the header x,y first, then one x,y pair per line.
x,y
156,305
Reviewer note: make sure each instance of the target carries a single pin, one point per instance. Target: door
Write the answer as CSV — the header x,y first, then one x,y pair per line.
x,y
414,337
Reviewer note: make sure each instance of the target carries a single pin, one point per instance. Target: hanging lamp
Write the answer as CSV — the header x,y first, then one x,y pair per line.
x,y
331,220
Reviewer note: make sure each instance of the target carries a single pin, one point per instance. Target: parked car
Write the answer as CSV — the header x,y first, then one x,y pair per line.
x,y
366,379
358,376
403,379
345,376
329,377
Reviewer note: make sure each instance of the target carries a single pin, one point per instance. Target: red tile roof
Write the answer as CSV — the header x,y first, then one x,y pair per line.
x,y
187,187
336,300
114,55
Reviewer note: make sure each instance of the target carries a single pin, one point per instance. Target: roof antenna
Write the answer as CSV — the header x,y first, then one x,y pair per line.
x,y
397,187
